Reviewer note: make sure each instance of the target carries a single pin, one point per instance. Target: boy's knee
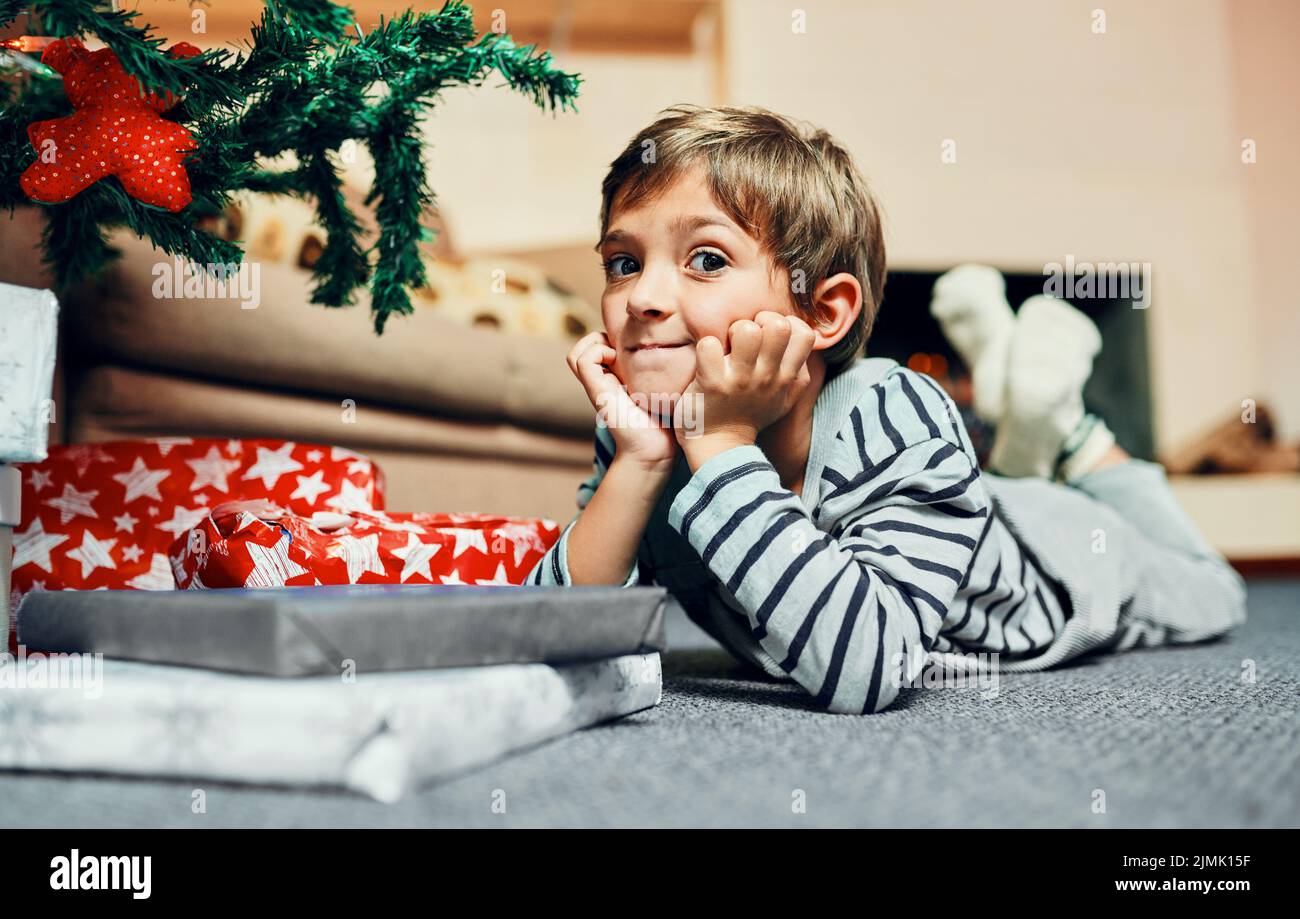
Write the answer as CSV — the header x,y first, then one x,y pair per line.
x,y
1221,597
1234,596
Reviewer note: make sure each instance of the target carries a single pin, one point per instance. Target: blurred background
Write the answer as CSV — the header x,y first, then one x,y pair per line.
x,y
1014,132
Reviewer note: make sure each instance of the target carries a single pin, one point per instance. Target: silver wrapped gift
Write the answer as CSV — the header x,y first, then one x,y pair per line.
x,y
301,631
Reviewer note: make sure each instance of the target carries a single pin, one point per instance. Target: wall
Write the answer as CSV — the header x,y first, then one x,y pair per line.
x,y
1266,73
1117,146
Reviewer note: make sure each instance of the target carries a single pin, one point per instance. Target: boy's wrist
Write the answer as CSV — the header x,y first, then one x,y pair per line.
x,y
663,464
699,450
654,474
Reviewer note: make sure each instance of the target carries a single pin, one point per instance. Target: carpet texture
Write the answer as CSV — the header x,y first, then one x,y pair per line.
x,y
1154,738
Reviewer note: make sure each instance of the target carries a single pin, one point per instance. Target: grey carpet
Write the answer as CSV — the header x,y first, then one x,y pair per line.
x,y
1171,736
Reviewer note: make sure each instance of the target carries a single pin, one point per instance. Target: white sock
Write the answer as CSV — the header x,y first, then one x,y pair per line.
x,y
1051,358
1082,450
970,302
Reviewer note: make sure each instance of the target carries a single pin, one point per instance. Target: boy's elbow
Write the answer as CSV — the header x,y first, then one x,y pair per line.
x,y
838,708
842,705
881,701
867,693
1236,599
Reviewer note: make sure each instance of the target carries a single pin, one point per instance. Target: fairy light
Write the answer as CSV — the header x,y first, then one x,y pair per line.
x,y
28,43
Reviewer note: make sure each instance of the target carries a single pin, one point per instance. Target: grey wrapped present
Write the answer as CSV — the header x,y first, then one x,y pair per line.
x,y
299,631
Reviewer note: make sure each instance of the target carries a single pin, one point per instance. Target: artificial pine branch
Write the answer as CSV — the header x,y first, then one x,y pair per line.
x,y
342,266
141,54
324,20
305,84
10,10
395,146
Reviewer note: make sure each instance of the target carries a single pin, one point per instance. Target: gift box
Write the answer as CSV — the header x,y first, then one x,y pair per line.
x,y
383,734
256,544
103,515
298,631
29,322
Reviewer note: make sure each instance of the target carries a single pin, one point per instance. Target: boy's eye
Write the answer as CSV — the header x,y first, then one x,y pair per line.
x,y
612,265
708,262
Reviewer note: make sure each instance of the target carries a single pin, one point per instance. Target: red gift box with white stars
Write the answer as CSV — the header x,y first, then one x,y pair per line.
x,y
255,544
103,516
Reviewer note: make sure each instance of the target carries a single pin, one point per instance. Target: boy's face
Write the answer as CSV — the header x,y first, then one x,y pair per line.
x,y
680,269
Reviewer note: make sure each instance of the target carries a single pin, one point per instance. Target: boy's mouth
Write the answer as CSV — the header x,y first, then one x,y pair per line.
x,y
658,346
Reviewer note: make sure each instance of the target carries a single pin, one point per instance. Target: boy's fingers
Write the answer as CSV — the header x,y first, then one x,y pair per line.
x,y
710,365
590,367
746,338
800,346
776,336
582,345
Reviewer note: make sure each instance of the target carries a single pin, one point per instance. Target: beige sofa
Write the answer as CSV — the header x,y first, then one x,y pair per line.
x,y
460,418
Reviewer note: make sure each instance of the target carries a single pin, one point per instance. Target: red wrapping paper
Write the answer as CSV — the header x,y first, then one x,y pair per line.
x,y
102,516
255,544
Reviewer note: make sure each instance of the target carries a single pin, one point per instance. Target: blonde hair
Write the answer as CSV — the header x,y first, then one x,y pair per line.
x,y
792,187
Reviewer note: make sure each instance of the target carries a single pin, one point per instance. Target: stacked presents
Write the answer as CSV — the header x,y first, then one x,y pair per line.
x,y
246,610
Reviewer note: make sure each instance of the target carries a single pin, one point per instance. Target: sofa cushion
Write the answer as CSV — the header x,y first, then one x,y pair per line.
x,y
430,463
422,361
131,402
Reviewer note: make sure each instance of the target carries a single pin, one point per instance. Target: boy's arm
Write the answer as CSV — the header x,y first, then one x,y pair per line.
x,y
844,613
599,546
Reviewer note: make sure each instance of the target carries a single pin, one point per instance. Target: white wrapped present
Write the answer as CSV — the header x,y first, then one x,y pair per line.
x,y
29,322
381,734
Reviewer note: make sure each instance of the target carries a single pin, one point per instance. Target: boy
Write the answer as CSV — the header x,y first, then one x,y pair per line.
x,y
823,515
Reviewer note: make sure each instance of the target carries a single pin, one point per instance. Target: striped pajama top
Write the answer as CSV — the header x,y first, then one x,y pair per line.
x,y
894,545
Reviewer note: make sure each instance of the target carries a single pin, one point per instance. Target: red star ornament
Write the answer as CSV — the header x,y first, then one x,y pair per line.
x,y
115,130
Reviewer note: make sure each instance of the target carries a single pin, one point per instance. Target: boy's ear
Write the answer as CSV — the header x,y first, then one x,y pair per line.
x,y
838,299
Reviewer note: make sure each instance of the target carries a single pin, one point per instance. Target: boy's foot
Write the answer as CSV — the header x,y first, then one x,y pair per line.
x,y
1091,447
970,302
1052,349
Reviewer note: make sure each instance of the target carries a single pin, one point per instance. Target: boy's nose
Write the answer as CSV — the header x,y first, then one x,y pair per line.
x,y
651,296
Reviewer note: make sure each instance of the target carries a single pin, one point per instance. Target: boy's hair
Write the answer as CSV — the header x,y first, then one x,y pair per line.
x,y
791,186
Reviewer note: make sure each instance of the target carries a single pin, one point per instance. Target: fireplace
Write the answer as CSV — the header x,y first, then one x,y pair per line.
x,y
1119,390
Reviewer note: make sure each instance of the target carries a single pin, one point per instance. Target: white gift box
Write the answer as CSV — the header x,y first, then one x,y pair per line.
x,y
381,734
29,321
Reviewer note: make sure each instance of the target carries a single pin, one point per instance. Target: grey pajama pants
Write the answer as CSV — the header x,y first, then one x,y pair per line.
x,y
1177,588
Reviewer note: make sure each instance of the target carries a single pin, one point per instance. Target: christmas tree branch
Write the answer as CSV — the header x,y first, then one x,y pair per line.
x,y
9,10
399,203
141,54
342,266
74,237
321,19
306,85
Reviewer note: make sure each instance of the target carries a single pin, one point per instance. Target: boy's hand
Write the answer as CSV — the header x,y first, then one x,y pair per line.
x,y
754,384
639,437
